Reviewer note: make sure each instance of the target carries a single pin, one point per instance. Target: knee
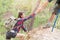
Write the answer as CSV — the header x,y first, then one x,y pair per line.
x,y
54,13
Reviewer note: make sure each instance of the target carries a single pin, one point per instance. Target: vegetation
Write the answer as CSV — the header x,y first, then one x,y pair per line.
x,y
27,6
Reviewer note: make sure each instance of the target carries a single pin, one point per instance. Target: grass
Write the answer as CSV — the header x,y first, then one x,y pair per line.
x,y
40,19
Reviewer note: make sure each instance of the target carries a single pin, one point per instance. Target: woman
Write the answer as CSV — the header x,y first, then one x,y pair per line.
x,y
19,24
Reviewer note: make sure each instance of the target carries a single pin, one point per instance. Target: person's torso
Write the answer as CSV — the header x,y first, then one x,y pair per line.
x,y
18,25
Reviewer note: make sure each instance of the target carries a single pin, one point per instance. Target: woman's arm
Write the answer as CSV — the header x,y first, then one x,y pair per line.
x,y
31,16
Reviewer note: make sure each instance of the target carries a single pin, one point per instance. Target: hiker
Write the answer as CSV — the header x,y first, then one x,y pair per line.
x,y
54,13
19,24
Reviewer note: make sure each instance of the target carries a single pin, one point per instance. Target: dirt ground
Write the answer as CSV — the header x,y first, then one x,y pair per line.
x,y
44,34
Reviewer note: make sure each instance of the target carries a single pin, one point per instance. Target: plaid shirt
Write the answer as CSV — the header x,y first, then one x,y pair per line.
x,y
20,23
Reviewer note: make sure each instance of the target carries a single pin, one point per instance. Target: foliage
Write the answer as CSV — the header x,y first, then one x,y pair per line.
x,y
27,6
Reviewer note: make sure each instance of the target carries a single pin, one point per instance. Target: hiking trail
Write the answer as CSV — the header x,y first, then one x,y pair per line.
x,y
44,34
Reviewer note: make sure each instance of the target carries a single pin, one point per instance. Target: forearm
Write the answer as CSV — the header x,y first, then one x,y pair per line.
x,y
31,16
43,6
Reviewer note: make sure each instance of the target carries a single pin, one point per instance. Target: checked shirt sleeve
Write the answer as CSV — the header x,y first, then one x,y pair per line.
x,y
31,16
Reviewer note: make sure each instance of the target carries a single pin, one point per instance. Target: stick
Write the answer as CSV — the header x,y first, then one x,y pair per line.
x,y
55,22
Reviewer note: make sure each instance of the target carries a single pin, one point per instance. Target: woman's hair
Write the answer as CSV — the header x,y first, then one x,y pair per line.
x,y
20,14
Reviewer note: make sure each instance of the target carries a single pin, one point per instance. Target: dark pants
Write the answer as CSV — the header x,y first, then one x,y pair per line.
x,y
10,34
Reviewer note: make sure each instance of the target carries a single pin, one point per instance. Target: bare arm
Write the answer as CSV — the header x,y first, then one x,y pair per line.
x,y
43,6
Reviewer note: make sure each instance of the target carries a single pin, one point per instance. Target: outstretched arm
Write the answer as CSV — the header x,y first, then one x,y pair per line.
x,y
31,16
43,6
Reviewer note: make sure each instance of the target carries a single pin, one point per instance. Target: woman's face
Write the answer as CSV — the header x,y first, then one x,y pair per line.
x,y
23,15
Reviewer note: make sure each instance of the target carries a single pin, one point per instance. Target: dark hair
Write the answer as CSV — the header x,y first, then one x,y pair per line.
x,y
20,14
